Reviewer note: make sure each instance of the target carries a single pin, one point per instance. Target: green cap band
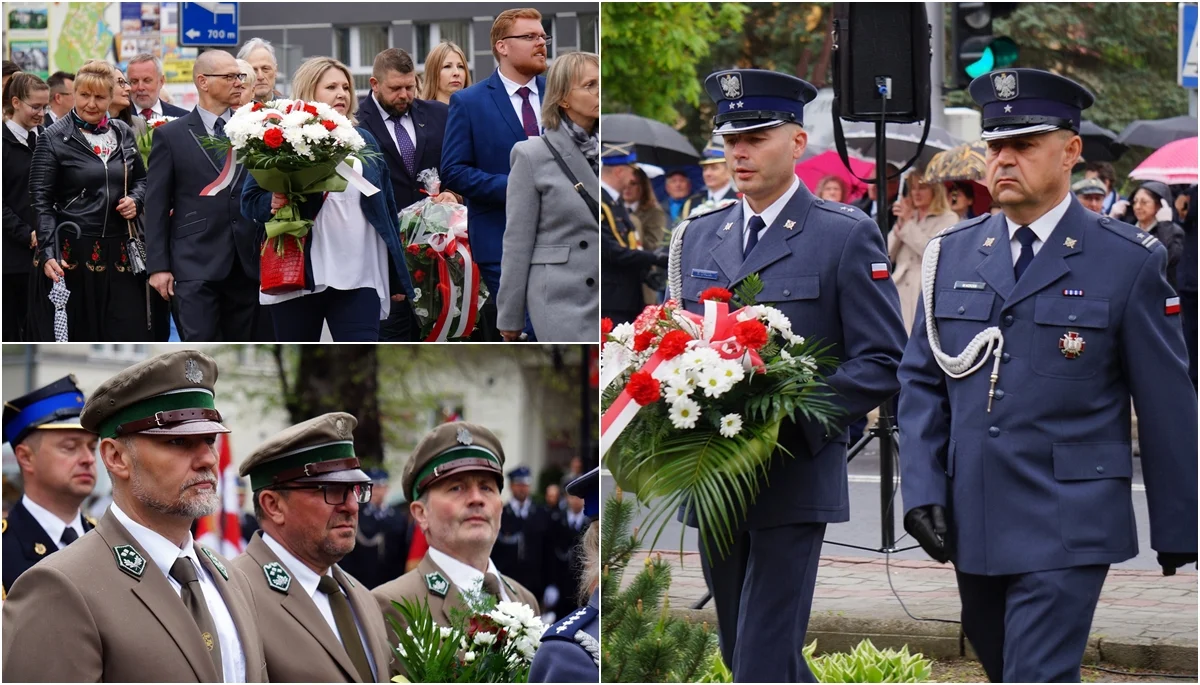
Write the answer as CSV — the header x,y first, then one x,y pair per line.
x,y
264,474
448,456
188,399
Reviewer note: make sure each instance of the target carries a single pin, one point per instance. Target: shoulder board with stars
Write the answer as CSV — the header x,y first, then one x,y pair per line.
x,y
1129,232
437,584
129,560
722,205
840,209
566,628
215,562
963,225
277,577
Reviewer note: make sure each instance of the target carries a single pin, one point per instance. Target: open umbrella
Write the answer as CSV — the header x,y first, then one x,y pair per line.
x,y
1173,164
812,170
902,140
966,162
1100,144
1158,132
655,142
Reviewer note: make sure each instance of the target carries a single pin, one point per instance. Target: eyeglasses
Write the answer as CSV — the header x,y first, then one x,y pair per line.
x,y
228,77
590,86
36,108
336,493
123,83
531,37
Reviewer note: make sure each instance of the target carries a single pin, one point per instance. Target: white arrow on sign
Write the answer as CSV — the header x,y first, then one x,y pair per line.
x,y
218,8
192,33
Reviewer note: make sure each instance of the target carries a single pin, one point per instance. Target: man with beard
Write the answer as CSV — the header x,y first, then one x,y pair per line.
x,y
58,471
410,131
476,152
138,599
325,626
453,481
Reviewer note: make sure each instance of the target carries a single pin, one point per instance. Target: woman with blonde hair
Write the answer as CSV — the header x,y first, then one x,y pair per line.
x,y
352,253
549,268
446,72
921,215
87,171
247,70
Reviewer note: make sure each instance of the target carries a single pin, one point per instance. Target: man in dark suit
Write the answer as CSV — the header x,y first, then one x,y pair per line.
x,y
476,151
146,80
201,253
410,131
520,549
623,264
23,118
58,468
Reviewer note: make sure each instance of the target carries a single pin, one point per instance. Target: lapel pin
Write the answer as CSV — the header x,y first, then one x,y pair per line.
x,y
1070,242
728,226
989,242
39,549
789,224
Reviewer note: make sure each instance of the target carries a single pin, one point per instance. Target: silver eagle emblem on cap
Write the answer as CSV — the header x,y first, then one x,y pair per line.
x,y
731,85
464,437
1005,85
192,372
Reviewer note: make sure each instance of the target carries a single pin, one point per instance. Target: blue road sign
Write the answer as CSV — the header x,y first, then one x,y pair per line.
x,y
1187,45
208,24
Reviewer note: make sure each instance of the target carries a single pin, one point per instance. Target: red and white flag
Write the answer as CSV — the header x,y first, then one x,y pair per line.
x,y
1172,305
222,531
879,271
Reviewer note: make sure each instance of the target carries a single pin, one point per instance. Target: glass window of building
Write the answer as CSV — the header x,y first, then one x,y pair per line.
x,y
589,32
427,37
356,47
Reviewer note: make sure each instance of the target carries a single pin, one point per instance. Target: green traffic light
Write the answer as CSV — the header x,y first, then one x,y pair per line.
x,y
1000,53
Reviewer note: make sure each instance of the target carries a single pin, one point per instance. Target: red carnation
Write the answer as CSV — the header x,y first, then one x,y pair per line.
x,y
273,138
751,333
673,344
606,326
96,149
643,388
310,109
418,275
430,252
329,125
716,294
413,249
256,106
641,341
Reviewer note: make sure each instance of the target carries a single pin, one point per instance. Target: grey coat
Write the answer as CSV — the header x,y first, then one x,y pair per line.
x,y
551,262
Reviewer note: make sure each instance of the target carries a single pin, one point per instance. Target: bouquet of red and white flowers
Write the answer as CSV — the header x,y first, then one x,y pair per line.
x,y
692,404
295,148
145,140
446,283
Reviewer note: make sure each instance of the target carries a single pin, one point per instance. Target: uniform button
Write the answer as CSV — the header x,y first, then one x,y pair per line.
x,y
1005,357
999,394
583,244
1099,469
1071,317
1008,320
994,432
962,310
787,293
591,282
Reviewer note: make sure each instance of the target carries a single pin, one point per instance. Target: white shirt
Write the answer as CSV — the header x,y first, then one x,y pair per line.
x,y
50,522
769,215
19,131
308,580
347,252
716,195
405,121
520,509
575,521
163,553
51,115
535,100
1043,226
466,577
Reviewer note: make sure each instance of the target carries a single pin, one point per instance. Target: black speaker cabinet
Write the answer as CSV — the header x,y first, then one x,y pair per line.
x,y
874,40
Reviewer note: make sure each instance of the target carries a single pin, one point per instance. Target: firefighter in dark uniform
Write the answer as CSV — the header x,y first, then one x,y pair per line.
x,y
623,264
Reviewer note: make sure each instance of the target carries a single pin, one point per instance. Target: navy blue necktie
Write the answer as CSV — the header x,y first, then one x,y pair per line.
x,y
408,152
755,225
1025,236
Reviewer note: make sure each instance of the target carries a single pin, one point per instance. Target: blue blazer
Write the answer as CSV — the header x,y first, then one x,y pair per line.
x,y
481,131
1043,480
380,210
429,117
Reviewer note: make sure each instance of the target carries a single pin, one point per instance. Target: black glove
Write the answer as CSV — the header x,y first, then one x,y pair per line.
x,y
927,525
664,258
1173,560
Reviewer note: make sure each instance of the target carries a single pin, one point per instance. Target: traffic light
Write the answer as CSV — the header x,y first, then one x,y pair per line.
x,y
975,51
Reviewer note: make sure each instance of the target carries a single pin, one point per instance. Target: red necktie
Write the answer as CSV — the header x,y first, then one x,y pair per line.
x,y
147,113
528,118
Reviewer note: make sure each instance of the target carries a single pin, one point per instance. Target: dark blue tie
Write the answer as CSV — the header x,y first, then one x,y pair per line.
x,y
408,153
755,225
219,128
1025,236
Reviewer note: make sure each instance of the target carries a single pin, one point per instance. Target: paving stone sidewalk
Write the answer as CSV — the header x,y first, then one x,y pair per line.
x,y
1144,620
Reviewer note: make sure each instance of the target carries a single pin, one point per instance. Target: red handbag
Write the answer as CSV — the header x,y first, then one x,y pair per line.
x,y
281,265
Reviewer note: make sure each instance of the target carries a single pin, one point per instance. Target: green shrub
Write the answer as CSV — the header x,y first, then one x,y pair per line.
x,y
866,663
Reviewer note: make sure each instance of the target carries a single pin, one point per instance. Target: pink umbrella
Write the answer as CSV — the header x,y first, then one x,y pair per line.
x,y
811,171
1173,163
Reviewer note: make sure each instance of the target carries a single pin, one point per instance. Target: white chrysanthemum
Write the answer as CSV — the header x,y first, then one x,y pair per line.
x,y
792,338
678,392
667,370
486,639
731,425
809,364
714,382
622,332
786,356
731,371
777,319
295,119
314,132
684,413
513,612
699,358
683,380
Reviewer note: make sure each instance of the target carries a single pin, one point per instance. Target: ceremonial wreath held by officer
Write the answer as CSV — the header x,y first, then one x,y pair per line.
x,y
1035,328
137,599
325,625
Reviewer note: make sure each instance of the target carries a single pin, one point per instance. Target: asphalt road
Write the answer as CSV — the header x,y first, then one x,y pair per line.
x,y
864,529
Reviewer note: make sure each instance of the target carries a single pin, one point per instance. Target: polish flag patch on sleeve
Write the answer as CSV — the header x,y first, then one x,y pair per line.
x,y
1172,305
879,271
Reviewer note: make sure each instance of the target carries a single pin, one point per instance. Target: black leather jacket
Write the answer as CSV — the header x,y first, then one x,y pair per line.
x,y
68,182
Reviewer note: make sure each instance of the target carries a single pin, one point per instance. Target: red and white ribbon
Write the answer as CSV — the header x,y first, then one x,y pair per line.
x,y
223,179
454,242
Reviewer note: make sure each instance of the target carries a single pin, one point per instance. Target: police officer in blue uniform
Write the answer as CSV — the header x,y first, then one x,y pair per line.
x,y
381,546
623,263
58,468
1021,476
570,649
718,184
819,262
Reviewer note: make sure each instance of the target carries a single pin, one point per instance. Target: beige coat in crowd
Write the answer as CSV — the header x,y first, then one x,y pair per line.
x,y
906,247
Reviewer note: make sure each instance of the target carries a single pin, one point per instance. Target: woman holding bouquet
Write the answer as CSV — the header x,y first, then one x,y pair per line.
x,y
549,268
350,286
87,171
